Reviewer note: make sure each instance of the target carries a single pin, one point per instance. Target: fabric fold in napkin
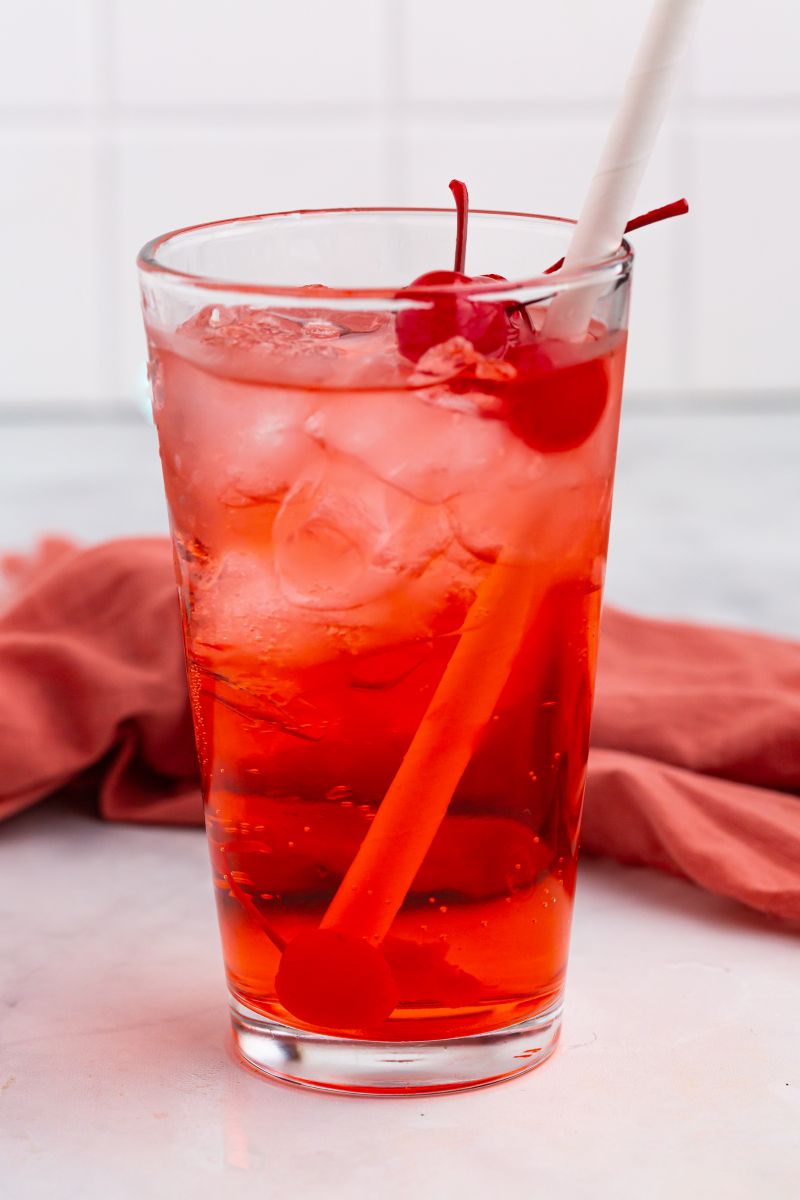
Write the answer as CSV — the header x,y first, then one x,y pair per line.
x,y
695,761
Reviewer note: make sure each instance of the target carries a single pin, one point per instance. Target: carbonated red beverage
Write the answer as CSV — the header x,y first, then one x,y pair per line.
x,y
390,530
330,545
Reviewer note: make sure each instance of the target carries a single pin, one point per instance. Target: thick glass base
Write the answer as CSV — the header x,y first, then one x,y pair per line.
x,y
336,1064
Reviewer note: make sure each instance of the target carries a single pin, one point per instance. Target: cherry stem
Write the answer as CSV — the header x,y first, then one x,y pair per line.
x,y
677,209
461,197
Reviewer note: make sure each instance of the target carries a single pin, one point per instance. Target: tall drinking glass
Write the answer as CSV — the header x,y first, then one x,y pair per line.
x,y
389,510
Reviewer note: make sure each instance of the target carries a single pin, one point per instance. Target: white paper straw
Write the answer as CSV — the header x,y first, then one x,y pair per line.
x,y
625,155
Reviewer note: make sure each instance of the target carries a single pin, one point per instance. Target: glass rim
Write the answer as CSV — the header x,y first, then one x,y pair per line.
x,y
616,263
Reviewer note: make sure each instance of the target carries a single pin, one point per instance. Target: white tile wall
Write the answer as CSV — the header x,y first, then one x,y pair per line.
x,y
121,118
228,53
50,290
47,53
745,246
748,50
518,50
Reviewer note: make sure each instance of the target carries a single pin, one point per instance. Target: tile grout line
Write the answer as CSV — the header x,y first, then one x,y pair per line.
x,y
594,109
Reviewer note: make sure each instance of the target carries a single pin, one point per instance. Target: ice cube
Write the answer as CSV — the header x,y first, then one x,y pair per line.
x,y
344,538
237,602
303,346
268,452
503,520
242,327
241,608
225,442
429,451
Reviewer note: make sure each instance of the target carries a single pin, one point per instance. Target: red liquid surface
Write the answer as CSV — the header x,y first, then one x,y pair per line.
x,y
330,545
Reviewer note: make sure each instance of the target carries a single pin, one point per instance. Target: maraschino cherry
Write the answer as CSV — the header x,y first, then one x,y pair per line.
x,y
451,314
330,978
556,395
556,400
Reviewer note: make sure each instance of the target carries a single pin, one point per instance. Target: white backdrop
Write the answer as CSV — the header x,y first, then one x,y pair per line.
x,y
122,118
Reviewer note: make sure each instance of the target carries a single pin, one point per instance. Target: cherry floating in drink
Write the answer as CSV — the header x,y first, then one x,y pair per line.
x,y
451,313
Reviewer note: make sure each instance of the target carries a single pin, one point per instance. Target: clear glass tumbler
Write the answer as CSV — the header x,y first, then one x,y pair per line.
x,y
389,504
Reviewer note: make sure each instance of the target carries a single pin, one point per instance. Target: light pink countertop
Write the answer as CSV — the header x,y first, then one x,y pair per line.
x,y
678,1076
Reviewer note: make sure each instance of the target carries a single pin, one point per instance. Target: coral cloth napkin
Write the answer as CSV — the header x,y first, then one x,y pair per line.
x,y
695,761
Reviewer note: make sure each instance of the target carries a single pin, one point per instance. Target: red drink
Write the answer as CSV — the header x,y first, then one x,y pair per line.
x,y
341,516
